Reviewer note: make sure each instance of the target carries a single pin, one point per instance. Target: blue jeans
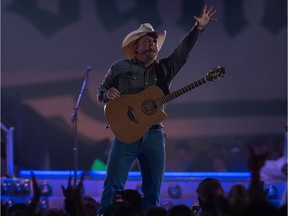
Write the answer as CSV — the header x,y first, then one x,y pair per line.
x,y
150,152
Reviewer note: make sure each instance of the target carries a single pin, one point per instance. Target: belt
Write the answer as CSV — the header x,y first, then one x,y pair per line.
x,y
156,127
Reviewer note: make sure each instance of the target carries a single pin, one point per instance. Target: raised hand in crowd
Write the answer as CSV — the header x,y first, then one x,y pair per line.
x,y
73,198
258,205
34,203
255,163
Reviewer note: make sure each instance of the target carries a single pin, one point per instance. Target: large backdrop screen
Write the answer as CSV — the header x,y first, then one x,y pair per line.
x,y
46,47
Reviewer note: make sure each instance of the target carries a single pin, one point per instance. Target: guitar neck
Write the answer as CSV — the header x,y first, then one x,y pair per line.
x,y
179,92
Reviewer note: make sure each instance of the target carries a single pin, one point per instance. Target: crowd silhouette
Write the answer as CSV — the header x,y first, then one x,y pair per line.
x,y
212,199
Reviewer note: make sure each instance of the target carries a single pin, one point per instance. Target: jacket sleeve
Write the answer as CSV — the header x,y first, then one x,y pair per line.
x,y
176,60
105,85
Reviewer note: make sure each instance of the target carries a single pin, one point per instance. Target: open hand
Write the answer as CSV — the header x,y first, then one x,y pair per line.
x,y
205,16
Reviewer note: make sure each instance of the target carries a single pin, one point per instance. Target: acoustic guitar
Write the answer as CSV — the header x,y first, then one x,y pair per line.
x,y
130,116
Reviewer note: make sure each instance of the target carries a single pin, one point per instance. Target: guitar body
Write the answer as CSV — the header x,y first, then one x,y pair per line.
x,y
131,116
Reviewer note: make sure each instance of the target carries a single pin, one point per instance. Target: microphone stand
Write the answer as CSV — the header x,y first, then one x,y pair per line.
x,y
74,118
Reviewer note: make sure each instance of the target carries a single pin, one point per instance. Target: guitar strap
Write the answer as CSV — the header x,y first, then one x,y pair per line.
x,y
161,79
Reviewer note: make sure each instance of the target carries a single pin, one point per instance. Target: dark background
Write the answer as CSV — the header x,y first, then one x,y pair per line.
x,y
47,45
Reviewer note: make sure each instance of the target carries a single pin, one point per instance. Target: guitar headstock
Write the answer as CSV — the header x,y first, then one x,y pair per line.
x,y
216,73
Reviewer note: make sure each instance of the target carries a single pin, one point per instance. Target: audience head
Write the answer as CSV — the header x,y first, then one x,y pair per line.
x,y
238,198
17,209
55,212
179,210
156,211
263,208
134,198
120,209
91,205
208,191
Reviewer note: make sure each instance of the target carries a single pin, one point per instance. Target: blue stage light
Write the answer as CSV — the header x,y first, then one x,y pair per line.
x,y
5,186
44,204
17,187
166,204
9,202
45,188
174,191
26,187
271,192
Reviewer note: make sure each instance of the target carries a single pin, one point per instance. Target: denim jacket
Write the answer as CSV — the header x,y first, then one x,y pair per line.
x,y
130,77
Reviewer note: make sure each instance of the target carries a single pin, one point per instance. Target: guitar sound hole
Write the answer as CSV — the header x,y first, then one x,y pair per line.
x,y
149,107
